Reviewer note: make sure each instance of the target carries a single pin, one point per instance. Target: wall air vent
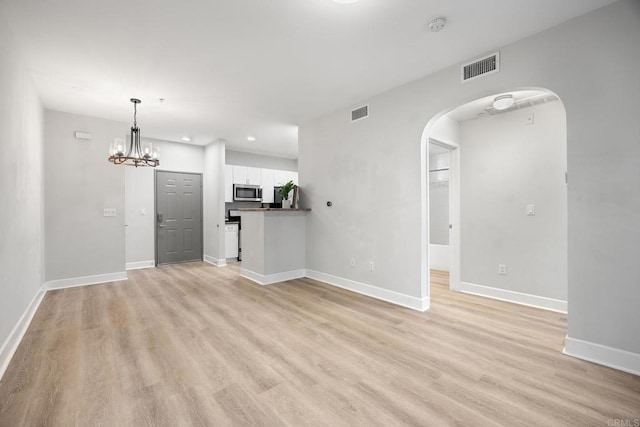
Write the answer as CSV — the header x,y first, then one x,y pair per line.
x,y
481,67
360,113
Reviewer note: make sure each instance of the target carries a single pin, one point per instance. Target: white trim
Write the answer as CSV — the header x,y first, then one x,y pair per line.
x,y
86,280
215,261
615,358
514,297
270,279
140,264
12,342
415,303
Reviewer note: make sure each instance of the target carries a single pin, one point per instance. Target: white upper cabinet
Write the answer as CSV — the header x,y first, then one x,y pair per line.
x,y
268,177
254,175
247,175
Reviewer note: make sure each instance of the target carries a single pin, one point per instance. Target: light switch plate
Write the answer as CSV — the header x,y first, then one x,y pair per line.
x,y
530,119
531,210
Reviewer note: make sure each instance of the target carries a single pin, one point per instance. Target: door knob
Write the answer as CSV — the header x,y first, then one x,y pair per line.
x,y
160,219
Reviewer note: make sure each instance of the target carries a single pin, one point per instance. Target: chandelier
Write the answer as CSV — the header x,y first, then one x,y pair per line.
x,y
139,153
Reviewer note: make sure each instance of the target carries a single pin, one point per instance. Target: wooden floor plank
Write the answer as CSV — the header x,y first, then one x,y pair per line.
x,y
192,344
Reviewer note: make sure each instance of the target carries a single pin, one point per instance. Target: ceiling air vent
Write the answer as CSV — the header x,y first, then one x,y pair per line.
x,y
360,113
481,67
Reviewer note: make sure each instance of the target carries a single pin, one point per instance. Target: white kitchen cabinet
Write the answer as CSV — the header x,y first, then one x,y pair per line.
x,y
268,182
247,175
254,175
231,241
240,174
228,183
267,178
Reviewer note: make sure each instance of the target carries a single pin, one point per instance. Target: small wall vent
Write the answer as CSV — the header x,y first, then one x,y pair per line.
x,y
360,113
481,67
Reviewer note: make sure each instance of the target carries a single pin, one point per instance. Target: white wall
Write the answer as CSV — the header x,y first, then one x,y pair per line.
x,y
214,237
241,158
21,187
140,195
446,130
373,169
79,184
505,165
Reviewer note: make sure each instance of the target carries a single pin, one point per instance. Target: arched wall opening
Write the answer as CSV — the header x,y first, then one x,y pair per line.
x,y
508,199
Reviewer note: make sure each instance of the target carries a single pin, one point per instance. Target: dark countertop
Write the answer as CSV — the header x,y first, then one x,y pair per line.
x,y
273,210
232,222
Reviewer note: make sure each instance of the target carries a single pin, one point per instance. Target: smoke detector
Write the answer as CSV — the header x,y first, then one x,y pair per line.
x,y
437,24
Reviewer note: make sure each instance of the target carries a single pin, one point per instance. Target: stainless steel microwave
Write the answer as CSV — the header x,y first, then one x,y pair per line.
x,y
247,193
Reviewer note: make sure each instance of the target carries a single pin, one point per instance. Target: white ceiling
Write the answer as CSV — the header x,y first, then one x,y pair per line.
x,y
229,69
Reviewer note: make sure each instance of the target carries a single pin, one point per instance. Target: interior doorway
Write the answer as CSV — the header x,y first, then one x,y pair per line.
x,y
178,210
507,199
443,210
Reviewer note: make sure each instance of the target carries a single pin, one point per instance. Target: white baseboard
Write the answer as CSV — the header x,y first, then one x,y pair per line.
x,y
621,360
270,279
415,303
12,342
140,264
514,297
215,261
86,280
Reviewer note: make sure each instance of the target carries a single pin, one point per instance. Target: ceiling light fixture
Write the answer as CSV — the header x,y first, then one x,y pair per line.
x,y
186,139
138,154
437,24
251,138
503,102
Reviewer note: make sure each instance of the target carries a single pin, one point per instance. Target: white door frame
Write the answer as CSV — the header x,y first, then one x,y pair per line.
x,y
454,212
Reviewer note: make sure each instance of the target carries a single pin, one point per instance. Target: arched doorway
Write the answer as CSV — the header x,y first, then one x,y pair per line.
x,y
508,201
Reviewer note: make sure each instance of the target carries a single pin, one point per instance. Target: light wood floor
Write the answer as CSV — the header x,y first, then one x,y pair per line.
x,y
192,344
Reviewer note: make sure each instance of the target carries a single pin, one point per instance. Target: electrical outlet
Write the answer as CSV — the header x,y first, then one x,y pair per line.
x,y
370,265
530,119
109,212
502,269
353,262
143,211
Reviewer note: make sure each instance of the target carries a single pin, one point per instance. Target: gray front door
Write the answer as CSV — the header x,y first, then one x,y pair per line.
x,y
178,217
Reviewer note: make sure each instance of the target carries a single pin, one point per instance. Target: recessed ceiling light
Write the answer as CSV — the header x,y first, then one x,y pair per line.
x,y
251,138
437,24
186,139
344,1
503,102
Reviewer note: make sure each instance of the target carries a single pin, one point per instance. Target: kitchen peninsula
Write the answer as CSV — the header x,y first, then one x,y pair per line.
x,y
273,244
